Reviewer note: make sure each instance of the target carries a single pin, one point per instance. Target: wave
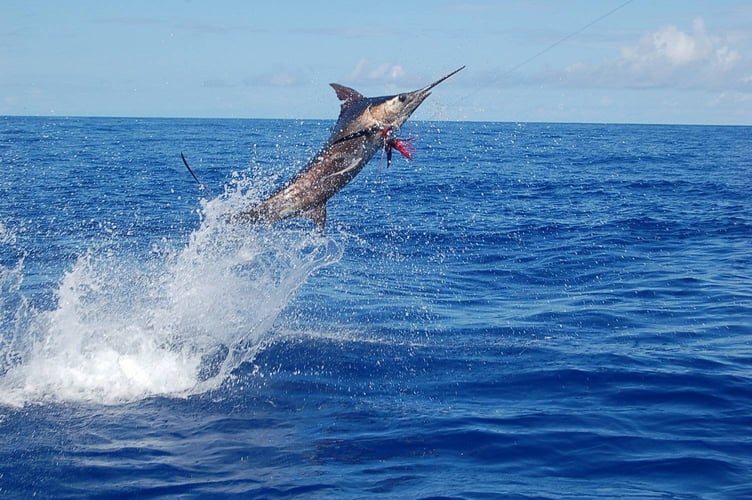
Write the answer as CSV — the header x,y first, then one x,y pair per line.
x,y
125,326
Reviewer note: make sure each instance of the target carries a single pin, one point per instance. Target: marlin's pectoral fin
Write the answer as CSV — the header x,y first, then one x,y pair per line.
x,y
317,214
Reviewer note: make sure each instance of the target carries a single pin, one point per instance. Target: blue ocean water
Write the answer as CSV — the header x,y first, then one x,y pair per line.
x,y
524,310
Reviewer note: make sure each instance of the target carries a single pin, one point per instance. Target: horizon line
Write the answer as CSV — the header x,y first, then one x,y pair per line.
x,y
559,122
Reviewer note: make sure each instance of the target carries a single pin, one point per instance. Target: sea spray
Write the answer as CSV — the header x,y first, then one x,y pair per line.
x,y
127,326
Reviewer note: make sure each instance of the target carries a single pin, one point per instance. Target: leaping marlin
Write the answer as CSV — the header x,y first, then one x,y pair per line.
x,y
365,125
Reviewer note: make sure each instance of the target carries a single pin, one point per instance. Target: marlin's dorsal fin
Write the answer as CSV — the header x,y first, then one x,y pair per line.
x,y
317,214
346,94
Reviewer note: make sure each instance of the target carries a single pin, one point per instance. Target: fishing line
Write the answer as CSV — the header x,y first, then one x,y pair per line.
x,y
548,48
564,39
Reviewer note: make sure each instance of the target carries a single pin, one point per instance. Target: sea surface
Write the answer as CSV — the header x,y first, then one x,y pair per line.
x,y
525,310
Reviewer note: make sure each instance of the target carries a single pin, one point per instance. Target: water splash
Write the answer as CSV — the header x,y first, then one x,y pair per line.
x,y
125,327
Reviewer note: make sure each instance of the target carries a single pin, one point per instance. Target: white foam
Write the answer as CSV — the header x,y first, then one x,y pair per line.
x,y
126,327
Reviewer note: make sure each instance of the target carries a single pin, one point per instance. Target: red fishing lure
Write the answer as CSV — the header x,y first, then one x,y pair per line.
x,y
404,146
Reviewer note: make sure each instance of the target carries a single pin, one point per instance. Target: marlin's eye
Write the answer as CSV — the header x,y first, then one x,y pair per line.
x,y
402,98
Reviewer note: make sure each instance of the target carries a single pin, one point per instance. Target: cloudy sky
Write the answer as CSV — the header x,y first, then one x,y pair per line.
x,y
644,61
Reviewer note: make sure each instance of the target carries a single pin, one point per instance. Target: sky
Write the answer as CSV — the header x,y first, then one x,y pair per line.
x,y
616,61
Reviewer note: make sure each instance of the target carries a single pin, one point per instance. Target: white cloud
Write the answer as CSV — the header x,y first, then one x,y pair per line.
x,y
726,58
674,48
283,79
279,78
666,58
126,20
367,73
216,83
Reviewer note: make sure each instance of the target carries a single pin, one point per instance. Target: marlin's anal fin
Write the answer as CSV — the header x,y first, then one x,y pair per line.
x,y
317,214
346,94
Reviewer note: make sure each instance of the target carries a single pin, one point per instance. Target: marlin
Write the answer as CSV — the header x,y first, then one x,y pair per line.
x,y
365,126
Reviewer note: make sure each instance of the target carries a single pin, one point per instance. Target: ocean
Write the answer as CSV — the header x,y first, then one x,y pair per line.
x,y
525,310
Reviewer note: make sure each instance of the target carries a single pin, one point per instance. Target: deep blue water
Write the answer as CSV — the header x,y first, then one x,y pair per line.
x,y
525,310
